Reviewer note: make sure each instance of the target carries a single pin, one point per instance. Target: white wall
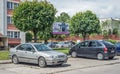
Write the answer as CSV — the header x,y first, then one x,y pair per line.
x,y
22,37
3,17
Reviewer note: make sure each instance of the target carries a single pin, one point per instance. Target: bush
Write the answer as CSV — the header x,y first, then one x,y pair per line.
x,y
112,41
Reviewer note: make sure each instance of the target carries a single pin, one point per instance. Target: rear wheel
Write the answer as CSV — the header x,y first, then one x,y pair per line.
x,y
15,60
42,62
73,54
100,56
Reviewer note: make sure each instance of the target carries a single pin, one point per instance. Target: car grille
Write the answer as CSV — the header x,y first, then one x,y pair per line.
x,y
61,56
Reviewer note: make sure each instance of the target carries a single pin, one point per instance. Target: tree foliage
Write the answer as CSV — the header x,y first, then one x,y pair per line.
x,y
85,23
34,16
28,37
115,31
64,17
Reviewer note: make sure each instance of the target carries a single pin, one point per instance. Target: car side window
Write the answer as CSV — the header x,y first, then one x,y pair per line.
x,y
92,44
84,44
21,47
99,44
29,47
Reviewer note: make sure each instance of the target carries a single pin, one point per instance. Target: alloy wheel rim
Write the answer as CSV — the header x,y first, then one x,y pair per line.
x,y
15,59
74,54
100,56
41,62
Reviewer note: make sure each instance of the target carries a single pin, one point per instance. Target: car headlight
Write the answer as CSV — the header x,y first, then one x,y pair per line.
x,y
52,57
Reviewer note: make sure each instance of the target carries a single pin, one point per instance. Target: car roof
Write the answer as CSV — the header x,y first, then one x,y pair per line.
x,y
33,43
93,40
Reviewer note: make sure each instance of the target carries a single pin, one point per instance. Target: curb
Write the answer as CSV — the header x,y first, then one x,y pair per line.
x,y
5,61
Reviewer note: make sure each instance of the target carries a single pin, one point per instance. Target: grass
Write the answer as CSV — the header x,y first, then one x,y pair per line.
x,y
4,55
64,50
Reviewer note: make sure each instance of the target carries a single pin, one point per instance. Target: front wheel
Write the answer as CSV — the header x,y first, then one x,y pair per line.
x,y
100,56
73,54
42,62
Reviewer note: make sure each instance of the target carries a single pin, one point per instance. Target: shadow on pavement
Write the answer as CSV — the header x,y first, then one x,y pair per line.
x,y
48,66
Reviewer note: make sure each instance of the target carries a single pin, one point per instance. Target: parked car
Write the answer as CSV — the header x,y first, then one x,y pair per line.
x,y
60,45
52,44
65,44
118,48
37,53
94,49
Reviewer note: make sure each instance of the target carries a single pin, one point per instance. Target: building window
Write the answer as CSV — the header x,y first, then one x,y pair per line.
x,y
11,5
9,20
13,34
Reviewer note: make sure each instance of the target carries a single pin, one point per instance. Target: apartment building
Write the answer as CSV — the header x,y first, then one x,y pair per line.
x,y
9,34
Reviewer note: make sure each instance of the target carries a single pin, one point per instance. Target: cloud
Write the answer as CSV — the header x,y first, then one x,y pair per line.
x,y
103,8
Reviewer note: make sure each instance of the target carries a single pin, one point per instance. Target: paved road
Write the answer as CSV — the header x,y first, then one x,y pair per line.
x,y
104,69
74,65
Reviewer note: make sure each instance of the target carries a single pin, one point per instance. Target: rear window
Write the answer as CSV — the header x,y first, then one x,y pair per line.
x,y
106,43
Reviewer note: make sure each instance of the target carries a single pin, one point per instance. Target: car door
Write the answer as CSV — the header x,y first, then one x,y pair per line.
x,y
92,49
82,48
31,55
20,52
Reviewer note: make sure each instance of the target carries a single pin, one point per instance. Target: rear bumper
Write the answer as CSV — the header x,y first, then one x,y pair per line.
x,y
107,55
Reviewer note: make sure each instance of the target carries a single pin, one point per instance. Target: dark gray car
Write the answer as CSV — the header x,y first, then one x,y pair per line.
x,y
94,49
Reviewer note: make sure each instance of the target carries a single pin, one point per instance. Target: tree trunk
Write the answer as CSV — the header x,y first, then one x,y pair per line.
x,y
35,36
45,41
84,36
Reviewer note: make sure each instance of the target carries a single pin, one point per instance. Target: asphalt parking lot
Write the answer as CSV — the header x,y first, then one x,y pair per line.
x,y
72,64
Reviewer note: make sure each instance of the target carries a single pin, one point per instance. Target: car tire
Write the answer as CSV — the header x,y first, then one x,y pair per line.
x,y
100,56
42,62
60,64
73,54
111,57
15,59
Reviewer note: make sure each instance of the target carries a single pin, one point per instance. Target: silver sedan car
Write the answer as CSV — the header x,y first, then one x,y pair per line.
x,y
37,53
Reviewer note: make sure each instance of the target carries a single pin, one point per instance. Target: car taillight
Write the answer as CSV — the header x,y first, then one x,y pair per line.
x,y
105,50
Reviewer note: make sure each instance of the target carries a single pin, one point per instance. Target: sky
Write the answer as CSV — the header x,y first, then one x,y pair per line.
x,y
102,8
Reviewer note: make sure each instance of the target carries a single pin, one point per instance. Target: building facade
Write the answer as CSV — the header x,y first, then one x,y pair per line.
x,y
110,24
9,34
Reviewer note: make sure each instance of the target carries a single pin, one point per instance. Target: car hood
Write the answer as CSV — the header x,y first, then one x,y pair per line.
x,y
51,53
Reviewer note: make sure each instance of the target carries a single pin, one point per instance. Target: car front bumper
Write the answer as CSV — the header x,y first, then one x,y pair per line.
x,y
56,61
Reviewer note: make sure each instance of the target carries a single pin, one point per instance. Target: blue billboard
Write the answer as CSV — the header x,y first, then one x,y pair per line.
x,y
60,28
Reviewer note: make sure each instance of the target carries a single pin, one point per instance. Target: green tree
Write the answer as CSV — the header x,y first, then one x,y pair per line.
x,y
28,37
105,34
115,31
85,23
34,16
64,17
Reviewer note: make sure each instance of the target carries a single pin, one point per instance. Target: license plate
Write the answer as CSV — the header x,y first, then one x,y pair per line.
x,y
112,51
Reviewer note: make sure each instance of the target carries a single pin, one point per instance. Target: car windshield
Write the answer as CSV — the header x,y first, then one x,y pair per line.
x,y
42,47
106,43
